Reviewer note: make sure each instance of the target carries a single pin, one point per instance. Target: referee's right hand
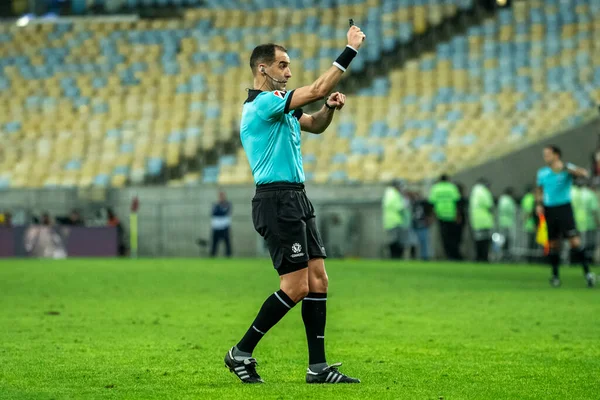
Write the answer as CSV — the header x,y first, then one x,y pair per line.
x,y
355,37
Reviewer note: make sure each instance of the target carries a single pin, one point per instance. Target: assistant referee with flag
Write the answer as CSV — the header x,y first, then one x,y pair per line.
x,y
272,120
553,199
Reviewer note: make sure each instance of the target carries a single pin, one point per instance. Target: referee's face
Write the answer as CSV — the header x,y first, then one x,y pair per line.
x,y
549,156
279,70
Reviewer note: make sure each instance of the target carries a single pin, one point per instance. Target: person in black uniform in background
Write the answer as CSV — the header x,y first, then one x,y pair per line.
x,y
220,223
461,217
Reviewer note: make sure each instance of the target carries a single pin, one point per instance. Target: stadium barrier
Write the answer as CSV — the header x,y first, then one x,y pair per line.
x,y
58,241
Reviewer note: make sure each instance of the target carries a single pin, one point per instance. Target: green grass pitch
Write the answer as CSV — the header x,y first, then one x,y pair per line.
x,y
158,329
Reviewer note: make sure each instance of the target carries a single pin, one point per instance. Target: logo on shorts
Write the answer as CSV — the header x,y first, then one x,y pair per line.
x,y
296,248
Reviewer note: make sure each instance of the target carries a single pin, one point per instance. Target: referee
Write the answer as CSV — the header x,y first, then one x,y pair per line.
x,y
272,119
553,199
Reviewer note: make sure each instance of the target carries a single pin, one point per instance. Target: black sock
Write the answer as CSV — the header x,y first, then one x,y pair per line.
x,y
589,254
554,259
314,313
580,251
272,310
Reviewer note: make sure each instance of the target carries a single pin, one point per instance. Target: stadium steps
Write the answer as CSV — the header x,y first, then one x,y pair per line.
x,y
416,47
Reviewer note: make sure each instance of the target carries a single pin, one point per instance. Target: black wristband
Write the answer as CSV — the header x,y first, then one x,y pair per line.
x,y
344,59
328,106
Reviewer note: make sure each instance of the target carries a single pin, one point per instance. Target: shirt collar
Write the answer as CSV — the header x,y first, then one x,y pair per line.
x,y
252,93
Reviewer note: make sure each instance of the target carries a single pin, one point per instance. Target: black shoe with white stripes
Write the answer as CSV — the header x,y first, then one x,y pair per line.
x,y
245,370
329,374
590,278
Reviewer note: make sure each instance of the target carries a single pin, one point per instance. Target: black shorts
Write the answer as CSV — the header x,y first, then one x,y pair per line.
x,y
285,218
561,223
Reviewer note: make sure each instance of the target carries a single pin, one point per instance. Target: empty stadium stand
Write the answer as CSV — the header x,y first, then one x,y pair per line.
x,y
132,101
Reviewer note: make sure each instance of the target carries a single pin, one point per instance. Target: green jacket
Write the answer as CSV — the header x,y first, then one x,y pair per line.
x,y
528,209
481,206
507,212
394,209
443,196
590,201
579,210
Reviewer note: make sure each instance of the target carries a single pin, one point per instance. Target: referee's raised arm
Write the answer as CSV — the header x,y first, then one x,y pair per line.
x,y
326,82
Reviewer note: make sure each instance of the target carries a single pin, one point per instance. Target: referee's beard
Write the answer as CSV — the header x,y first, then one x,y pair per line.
x,y
268,84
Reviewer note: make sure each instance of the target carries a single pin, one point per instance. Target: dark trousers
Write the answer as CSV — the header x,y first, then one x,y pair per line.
x,y
217,236
450,233
396,250
482,250
506,254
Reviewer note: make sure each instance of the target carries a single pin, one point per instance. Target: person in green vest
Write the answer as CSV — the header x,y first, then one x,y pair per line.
x,y
590,203
529,222
481,215
444,196
579,213
396,218
507,218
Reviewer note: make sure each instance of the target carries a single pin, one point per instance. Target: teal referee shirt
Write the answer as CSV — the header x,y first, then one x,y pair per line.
x,y
556,185
270,134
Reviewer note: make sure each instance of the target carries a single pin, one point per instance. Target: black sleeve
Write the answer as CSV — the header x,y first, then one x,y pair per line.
x,y
428,207
288,101
298,113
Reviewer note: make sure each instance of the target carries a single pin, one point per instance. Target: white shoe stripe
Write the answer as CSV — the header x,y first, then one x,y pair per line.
x,y
240,368
242,377
330,376
339,378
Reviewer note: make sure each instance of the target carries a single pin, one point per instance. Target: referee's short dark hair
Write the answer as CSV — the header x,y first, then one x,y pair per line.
x,y
555,149
265,53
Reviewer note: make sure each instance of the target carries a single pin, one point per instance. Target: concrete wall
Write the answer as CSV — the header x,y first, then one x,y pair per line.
x,y
171,219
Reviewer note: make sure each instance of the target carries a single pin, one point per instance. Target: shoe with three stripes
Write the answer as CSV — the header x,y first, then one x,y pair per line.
x,y
329,374
244,369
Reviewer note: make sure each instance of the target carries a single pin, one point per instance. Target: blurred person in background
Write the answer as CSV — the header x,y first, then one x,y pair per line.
x,y
221,224
46,220
462,208
74,219
45,239
6,219
579,213
396,218
590,202
444,197
596,163
507,220
113,220
481,216
529,220
422,218
553,199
